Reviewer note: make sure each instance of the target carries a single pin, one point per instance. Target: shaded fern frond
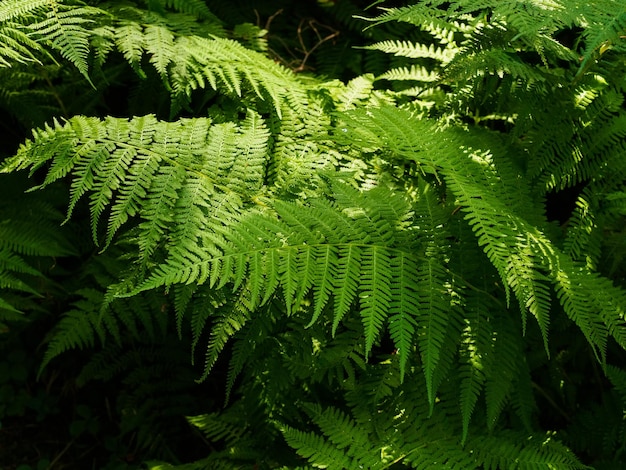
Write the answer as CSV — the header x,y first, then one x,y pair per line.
x,y
506,449
30,244
196,8
398,430
226,65
605,31
78,328
343,444
93,320
198,58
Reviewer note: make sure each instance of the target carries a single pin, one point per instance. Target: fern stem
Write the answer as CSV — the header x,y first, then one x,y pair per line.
x,y
552,403
61,453
55,94
466,283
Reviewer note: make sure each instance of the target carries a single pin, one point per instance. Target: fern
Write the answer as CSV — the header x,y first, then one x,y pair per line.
x,y
255,251
494,223
29,249
36,28
363,268
66,30
413,51
17,44
344,442
135,164
344,445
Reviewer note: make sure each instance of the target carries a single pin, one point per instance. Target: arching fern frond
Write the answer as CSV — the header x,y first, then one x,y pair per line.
x,y
426,17
93,320
31,30
17,10
525,258
408,436
413,73
66,30
17,46
29,249
605,31
191,55
144,166
225,64
343,443
331,251
506,449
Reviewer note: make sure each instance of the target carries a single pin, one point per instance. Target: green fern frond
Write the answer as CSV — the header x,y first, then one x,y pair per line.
x,y
247,342
96,318
414,73
375,294
144,165
21,9
501,383
413,51
474,352
492,62
525,258
605,31
337,253
227,323
434,313
341,359
129,39
32,236
362,259
16,18
225,64
205,305
346,446
617,376
11,264
66,30
159,42
506,450
406,300
77,329
196,8
216,428
575,150
190,53
583,241
17,46
30,244
410,437
356,90
425,17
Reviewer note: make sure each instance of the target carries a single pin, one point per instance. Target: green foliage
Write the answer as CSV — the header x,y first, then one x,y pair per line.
x,y
361,253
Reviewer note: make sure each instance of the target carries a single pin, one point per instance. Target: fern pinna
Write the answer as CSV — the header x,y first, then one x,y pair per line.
x,y
373,260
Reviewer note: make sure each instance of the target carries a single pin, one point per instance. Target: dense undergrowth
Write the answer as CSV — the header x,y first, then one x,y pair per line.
x,y
315,234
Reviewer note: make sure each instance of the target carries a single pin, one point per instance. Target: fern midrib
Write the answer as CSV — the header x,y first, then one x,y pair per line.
x,y
248,254
175,162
